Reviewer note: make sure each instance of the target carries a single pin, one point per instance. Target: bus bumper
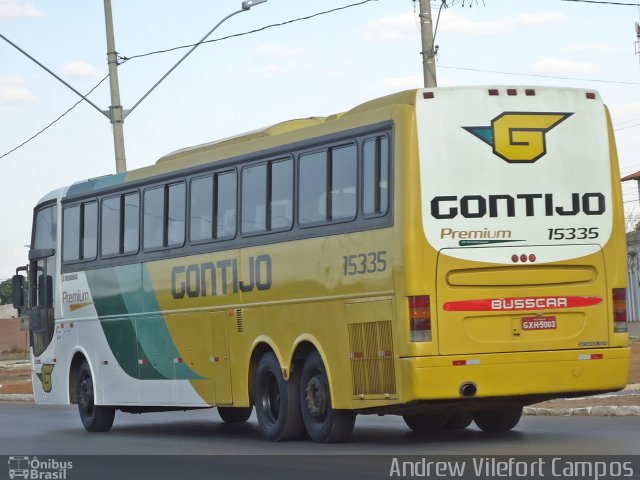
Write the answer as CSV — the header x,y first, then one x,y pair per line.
x,y
515,374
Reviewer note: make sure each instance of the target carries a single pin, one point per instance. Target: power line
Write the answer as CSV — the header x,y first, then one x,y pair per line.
x,y
57,77
618,125
628,126
603,2
124,59
539,75
249,32
56,120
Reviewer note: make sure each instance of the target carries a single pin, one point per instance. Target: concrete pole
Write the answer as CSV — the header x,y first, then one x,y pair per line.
x,y
115,110
428,52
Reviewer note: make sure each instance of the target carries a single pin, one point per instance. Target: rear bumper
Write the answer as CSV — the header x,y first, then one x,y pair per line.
x,y
551,373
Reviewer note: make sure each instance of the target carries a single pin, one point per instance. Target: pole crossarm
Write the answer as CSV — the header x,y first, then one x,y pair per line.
x,y
83,97
183,57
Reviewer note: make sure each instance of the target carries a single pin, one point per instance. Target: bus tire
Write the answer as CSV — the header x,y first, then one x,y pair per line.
x,y
498,420
322,422
458,421
95,418
276,401
427,422
234,414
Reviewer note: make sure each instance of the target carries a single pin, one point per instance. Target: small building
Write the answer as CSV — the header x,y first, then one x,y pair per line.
x,y
633,264
13,339
633,276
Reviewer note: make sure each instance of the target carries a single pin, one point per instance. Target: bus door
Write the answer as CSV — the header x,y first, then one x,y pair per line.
x,y
42,280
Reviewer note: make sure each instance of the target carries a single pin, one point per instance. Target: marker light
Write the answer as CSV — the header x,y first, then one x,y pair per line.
x,y
620,310
420,318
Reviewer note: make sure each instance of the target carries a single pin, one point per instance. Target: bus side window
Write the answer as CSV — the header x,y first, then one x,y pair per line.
x,y
201,209
254,198
212,207
344,171
71,233
131,234
153,224
226,205
375,191
281,194
80,232
110,226
89,230
176,215
312,189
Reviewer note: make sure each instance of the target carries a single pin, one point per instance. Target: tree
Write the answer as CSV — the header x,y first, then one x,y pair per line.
x,y
6,292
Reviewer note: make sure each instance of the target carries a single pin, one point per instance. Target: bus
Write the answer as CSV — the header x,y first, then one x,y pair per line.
x,y
448,255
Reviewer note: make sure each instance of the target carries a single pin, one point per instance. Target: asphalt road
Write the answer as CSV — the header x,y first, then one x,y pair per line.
x,y
28,429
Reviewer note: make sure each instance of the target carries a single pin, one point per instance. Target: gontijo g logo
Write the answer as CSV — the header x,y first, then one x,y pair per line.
x,y
519,137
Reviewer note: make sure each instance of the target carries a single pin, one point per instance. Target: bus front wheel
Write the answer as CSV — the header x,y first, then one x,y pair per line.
x,y
234,414
498,420
276,400
323,423
95,418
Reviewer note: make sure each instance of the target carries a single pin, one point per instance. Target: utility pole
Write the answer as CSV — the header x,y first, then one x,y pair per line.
x,y
637,38
115,110
428,50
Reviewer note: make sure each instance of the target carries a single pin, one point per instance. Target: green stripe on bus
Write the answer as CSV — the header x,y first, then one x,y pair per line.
x,y
142,345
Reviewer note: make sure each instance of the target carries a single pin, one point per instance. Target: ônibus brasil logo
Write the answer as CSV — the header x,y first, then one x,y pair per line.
x,y
32,468
519,137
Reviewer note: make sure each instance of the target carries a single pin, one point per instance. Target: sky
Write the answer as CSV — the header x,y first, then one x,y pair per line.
x,y
315,67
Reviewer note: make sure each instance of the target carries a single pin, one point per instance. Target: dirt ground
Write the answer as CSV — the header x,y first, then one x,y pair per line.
x,y
15,379
18,380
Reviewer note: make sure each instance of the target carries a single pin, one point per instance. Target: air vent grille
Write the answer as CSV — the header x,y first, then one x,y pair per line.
x,y
239,324
372,358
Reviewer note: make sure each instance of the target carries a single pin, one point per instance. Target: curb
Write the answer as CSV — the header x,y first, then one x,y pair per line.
x,y
598,411
16,397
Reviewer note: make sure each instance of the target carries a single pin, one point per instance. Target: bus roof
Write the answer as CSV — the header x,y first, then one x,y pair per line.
x,y
405,97
274,136
267,139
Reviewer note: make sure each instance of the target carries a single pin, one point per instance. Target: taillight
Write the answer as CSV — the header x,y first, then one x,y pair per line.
x,y
420,318
620,310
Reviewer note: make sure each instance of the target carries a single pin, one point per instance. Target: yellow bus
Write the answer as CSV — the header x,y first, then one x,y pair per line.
x,y
448,255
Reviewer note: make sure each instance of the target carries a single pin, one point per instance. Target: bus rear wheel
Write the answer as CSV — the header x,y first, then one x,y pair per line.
x,y
276,401
498,420
234,414
95,418
427,422
458,421
323,423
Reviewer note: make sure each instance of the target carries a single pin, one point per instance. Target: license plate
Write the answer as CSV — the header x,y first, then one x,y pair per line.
x,y
539,323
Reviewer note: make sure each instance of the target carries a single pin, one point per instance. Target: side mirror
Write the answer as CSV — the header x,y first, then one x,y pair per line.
x,y
17,285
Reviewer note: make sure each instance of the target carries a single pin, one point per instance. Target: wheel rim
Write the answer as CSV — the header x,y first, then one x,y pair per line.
x,y
316,397
85,395
271,398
